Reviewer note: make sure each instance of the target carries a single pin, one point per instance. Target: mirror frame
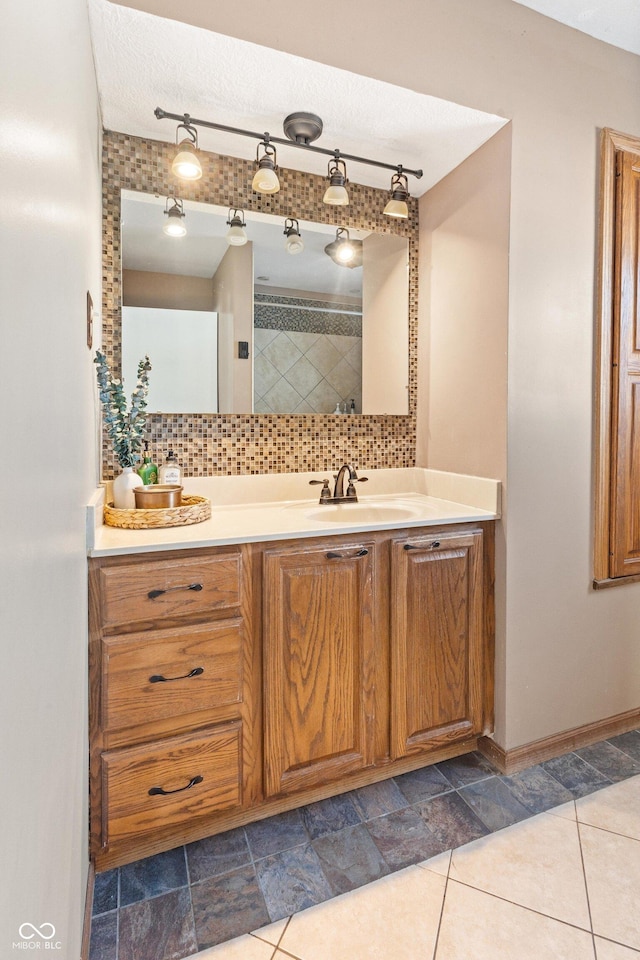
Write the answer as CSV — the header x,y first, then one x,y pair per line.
x,y
305,441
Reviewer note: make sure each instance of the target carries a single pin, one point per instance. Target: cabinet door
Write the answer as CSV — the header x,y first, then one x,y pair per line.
x,y
436,640
318,664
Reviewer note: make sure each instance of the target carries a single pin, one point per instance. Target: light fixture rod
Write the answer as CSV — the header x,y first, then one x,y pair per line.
x,y
184,118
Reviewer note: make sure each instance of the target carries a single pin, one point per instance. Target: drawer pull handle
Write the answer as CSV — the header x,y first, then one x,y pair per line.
x,y
347,556
188,586
161,792
158,678
430,546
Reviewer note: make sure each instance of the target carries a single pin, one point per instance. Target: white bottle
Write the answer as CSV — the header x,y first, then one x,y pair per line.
x,y
338,408
170,471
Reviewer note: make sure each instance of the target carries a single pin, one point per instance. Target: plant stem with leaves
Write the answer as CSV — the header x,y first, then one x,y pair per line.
x,y
125,429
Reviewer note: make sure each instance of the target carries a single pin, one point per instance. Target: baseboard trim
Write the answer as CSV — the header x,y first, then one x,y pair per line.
x,y
88,909
527,755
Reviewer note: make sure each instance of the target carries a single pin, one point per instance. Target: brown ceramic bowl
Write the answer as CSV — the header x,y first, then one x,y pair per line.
x,y
156,496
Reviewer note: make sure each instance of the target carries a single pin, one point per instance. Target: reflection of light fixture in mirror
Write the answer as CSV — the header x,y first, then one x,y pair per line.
x,y
174,227
343,250
185,163
293,244
266,179
397,205
336,193
236,235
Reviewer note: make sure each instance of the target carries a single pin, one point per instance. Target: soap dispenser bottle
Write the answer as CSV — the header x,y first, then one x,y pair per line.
x,y
170,470
148,472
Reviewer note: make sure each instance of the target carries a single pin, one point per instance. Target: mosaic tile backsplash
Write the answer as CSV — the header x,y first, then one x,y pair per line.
x,y
210,444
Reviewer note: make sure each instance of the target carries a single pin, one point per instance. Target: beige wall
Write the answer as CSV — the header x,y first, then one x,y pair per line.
x,y
170,291
50,247
233,301
571,656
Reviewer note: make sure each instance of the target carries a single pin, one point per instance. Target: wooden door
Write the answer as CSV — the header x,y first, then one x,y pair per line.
x,y
318,664
436,640
625,458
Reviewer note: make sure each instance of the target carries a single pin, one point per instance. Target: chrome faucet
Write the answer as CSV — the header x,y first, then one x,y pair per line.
x,y
339,495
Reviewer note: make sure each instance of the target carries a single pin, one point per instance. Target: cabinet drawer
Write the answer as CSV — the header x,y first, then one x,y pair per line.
x,y
169,588
169,673
199,774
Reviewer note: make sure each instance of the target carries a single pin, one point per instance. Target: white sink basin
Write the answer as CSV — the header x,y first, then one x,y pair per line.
x,y
366,511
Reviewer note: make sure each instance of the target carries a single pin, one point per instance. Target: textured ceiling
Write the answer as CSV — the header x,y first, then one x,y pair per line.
x,y
614,21
144,61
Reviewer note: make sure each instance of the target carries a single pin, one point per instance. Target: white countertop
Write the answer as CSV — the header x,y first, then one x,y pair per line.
x,y
265,507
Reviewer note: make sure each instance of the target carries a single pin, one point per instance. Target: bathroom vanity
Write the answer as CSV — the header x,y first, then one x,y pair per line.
x,y
276,655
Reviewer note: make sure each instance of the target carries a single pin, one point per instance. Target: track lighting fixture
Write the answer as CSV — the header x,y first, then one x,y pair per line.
x,y
300,129
174,227
344,251
236,234
397,205
336,193
293,244
185,163
266,179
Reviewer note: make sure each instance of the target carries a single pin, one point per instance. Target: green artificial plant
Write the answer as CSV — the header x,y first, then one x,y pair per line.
x,y
125,429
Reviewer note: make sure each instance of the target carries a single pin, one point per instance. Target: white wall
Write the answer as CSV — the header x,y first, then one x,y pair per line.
x,y
572,656
49,258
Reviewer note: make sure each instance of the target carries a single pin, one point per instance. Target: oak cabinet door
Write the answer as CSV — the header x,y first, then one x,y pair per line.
x,y
436,640
318,671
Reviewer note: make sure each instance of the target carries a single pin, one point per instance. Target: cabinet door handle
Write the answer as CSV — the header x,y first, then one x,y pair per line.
x,y
161,792
426,546
347,556
186,586
158,678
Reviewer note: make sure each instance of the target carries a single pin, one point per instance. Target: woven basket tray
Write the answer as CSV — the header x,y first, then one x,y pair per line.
x,y
193,510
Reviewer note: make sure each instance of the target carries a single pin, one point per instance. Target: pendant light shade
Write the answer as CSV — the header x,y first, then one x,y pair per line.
x,y
174,227
293,244
344,251
397,205
186,164
266,178
336,193
236,234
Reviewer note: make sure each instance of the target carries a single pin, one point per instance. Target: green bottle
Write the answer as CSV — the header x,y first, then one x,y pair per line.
x,y
148,471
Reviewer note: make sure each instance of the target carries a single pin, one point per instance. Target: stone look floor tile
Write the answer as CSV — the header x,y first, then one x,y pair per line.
x,y
479,926
227,906
422,784
466,769
292,881
158,929
615,808
492,801
105,893
574,773
377,799
613,763
606,950
327,816
403,838
396,918
350,858
152,876
537,790
450,821
104,937
536,863
612,869
275,834
220,854
629,743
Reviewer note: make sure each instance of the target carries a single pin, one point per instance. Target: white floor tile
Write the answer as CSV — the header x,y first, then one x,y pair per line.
x,y
439,864
272,932
612,867
395,918
566,810
242,948
605,950
477,926
535,863
616,808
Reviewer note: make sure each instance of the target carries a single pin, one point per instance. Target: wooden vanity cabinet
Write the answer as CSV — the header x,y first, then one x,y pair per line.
x,y
318,648
175,697
437,640
232,683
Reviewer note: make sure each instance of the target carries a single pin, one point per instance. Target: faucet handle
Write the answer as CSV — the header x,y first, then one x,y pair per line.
x,y
325,493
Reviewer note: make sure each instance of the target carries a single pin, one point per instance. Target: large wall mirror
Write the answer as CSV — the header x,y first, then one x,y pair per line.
x,y
256,327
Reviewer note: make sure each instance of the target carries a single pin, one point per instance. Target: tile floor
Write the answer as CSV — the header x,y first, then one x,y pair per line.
x,y
451,862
